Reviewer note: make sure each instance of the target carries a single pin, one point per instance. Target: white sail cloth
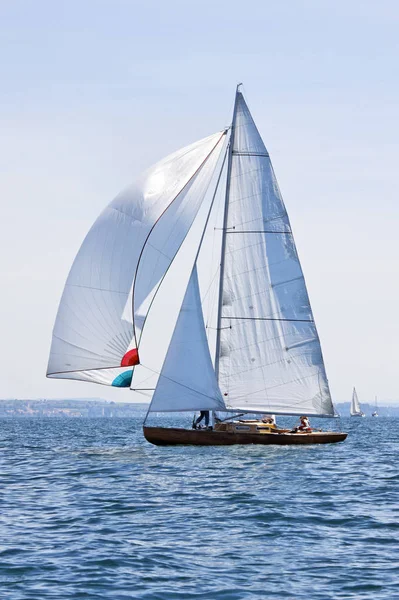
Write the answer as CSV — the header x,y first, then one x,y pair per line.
x,y
270,357
133,288
187,380
166,303
168,234
93,328
355,405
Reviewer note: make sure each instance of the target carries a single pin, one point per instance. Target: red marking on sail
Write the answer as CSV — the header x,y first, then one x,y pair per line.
x,y
131,358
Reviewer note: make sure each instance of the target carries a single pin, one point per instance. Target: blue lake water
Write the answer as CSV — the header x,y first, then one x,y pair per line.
x,y
90,510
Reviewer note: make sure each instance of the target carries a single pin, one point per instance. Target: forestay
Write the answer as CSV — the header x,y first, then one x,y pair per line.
x,y
94,324
269,355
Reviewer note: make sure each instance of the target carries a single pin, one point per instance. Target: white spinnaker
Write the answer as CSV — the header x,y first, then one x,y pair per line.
x,y
166,304
92,331
187,380
270,356
355,404
169,233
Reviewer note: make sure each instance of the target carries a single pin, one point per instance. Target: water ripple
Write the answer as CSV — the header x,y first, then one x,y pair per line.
x,y
90,510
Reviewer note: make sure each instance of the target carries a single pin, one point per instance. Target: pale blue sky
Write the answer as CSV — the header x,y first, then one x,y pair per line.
x,y
94,91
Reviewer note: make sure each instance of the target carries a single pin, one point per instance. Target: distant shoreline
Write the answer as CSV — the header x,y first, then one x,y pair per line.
x,y
68,407
98,407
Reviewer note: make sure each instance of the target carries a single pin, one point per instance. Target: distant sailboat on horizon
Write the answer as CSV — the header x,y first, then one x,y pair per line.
x,y
375,412
189,288
355,409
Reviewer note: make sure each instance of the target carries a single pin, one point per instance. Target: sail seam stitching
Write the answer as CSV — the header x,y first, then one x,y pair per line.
x,y
260,231
89,287
269,319
236,153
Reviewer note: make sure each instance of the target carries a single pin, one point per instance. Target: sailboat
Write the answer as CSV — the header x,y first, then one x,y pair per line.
x,y
375,412
355,410
188,289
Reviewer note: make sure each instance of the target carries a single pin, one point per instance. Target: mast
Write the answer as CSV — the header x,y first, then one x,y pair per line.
x,y
225,219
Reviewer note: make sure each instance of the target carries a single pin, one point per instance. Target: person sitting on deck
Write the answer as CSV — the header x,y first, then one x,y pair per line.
x,y
203,414
304,425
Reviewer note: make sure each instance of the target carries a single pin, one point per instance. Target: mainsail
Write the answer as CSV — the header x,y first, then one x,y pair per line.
x,y
269,356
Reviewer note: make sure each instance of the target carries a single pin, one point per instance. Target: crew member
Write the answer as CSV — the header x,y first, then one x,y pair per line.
x,y
304,424
204,414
